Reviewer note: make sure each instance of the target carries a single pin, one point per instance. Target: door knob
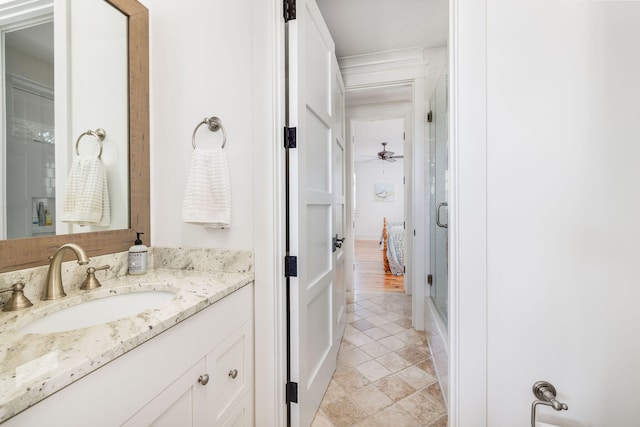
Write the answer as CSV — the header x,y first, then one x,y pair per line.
x,y
203,379
337,243
233,373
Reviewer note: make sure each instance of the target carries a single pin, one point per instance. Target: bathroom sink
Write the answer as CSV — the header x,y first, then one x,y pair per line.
x,y
97,312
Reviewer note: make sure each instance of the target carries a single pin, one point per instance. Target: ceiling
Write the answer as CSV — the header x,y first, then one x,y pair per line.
x,y
361,27
36,41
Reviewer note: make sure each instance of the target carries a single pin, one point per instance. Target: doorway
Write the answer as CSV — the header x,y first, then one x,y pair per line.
x,y
379,213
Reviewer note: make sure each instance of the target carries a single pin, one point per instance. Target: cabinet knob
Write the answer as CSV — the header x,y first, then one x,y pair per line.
x,y
203,379
233,373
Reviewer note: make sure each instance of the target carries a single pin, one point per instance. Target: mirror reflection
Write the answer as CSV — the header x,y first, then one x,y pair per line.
x,y
66,72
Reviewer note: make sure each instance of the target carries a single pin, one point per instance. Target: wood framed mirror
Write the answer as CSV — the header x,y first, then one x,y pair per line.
x,y
31,252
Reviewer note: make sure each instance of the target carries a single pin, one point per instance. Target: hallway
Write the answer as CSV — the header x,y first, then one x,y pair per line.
x,y
384,375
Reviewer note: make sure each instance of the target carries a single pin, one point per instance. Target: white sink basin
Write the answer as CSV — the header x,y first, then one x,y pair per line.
x,y
97,312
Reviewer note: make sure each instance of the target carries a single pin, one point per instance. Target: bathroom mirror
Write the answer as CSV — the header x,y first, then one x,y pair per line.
x,y
34,251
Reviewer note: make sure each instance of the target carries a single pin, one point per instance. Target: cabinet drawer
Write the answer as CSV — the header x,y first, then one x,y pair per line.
x,y
230,367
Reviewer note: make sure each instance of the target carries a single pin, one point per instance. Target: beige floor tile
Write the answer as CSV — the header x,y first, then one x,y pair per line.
x,y
392,343
377,309
395,416
391,316
343,413
412,354
358,339
375,349
392,328
393,362
355,356
422,407
365,303
404,322
369,422
351,380
385,376
370,399
362,325
373,370
334,392
349,330
411,336
321,420
394,387
377,320
416,377
440,422
376,333
364,313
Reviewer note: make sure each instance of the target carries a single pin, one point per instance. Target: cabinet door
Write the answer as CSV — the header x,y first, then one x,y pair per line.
x,y
180,404
230,367
242,416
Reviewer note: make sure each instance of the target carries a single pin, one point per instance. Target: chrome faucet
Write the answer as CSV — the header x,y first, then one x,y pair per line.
x,y
53,287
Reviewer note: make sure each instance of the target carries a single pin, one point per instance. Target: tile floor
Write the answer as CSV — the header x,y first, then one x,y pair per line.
x,y
385,375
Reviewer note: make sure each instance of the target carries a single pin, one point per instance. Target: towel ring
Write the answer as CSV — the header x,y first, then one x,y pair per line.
x,y
98,134
214,124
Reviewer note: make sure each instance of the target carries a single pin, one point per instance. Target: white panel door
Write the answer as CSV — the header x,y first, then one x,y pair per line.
x,y
339,206
563,211
312,201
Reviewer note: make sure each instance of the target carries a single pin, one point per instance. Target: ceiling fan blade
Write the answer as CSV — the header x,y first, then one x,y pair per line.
x,y
396,157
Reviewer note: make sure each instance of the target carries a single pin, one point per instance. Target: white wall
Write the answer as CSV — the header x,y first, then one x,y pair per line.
x,y
201,62
370,213
546,211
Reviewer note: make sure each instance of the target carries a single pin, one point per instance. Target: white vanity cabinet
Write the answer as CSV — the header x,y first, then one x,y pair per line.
x,y
198,372
216,391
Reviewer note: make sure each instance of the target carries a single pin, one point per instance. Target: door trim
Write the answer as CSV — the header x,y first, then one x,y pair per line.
x,y
468,213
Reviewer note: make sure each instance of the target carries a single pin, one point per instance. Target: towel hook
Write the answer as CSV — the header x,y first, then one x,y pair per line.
x,y
214,124
98,134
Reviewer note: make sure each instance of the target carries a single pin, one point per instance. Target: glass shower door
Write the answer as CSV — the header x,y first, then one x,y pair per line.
x,y
438,185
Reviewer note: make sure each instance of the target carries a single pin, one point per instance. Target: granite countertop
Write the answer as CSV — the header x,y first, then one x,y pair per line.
x,y
34,366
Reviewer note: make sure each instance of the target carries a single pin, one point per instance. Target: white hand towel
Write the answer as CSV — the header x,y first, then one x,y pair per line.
x,y
207,199
87,199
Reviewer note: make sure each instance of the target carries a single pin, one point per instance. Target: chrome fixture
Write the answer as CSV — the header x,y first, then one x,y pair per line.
x,y
214,124
17,300
53,287
438,223
203,379
546,394
98,134
91,282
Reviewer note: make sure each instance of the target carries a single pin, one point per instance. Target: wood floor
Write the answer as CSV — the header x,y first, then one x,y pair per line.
x,y
369,273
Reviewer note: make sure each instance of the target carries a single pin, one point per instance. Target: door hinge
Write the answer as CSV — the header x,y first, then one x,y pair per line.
x,y
404,225
430,280
292,392
404,268
290,266
430,116
289,10
290,138
414,232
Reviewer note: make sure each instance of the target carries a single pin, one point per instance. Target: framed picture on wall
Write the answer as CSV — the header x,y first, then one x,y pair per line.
x,y
384,192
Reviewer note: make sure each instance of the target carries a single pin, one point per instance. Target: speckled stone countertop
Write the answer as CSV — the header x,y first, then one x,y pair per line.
x,y
34,366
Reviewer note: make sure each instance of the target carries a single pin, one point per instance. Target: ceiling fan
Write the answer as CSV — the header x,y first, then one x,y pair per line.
x,y
387,155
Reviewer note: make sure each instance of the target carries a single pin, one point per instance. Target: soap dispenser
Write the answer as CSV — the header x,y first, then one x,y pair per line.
x,y
138,257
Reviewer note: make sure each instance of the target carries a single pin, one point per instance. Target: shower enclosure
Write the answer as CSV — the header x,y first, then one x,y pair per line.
x,y
438,205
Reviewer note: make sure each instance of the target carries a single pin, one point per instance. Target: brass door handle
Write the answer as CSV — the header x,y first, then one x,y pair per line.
x,y
203,379
233,373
